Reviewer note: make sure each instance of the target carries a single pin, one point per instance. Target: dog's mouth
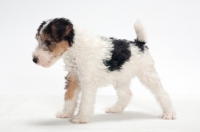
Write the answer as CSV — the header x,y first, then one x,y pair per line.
x,y
44,61
47,64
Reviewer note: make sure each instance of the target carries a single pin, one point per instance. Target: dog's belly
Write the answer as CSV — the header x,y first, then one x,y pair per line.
x,y
100,75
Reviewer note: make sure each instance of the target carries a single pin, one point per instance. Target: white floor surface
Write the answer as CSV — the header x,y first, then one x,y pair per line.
x,y
37,114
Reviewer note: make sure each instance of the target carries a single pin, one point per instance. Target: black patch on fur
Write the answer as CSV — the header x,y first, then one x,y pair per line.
x,y
120,54
40,27
140,44
57,29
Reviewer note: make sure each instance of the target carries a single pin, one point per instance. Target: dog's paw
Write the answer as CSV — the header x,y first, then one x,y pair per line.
x,y
169,116
114,110
63,114
79,120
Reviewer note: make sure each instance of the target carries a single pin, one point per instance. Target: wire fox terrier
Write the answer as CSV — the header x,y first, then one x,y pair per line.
x,y
92,62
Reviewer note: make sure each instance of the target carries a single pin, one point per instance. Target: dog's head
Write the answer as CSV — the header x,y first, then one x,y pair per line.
x,y
54,37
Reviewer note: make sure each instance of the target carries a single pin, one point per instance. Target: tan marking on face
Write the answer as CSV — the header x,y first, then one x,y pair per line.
x,y
71,87
56,48
44,37
60,48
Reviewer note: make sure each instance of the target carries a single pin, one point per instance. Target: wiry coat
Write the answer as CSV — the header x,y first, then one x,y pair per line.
x,y
94,62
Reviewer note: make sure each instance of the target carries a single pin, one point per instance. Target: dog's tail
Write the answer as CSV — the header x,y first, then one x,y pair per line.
x,y
141,35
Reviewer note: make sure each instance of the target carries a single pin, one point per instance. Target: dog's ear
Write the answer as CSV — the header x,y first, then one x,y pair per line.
x,y
61,29
69,34
68,30
40,27
36,36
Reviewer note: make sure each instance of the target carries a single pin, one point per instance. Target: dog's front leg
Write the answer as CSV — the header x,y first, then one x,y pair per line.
x,y
86,107
71,97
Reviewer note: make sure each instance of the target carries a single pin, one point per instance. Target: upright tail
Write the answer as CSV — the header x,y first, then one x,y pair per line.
x,y
141,39
141,35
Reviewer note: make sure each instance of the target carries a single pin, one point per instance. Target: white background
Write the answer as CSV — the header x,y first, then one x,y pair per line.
x,y
172,27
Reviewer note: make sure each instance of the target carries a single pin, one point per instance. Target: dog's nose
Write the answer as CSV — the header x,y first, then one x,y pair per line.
x,y
35,60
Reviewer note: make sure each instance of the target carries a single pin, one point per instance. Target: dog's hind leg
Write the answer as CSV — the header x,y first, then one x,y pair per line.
x,y
71,97
124,96
149,78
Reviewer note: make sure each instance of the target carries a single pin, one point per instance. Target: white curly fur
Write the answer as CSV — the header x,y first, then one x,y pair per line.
x,y
84,61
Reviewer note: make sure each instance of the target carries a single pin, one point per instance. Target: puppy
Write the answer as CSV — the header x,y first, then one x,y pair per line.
x,y
93,62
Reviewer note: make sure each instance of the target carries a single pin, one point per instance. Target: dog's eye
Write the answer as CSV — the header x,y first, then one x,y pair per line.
x,y
47,42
